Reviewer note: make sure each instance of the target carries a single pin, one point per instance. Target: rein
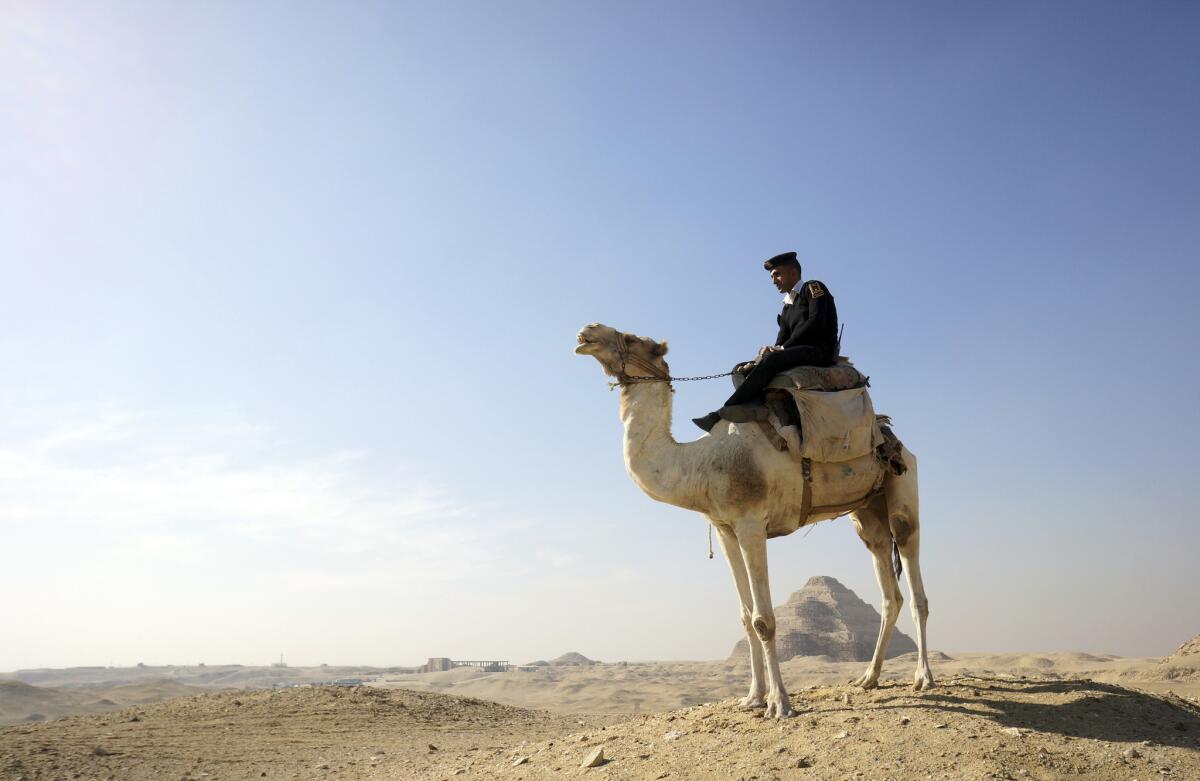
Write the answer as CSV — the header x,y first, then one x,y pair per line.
x,y
624,379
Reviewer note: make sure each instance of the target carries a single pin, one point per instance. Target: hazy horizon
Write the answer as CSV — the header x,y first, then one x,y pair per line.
x,y
291,291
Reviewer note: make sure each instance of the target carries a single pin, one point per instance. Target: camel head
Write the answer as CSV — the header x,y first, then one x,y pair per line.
x,y
620,353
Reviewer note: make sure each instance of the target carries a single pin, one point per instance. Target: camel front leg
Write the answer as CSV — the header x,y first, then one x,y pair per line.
x,y
752,539
756,697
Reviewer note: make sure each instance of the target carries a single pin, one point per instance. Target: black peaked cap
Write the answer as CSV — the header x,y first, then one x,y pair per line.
x,y
782,259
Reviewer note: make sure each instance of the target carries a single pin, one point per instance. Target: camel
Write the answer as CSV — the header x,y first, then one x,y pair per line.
x,y
750,491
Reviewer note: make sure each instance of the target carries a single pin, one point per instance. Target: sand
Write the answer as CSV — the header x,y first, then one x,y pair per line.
x,y
993,716
972,727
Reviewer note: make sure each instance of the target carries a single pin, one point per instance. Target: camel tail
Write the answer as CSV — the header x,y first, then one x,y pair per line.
x,y
897,565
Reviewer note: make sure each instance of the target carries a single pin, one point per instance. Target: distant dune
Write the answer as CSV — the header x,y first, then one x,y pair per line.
x,y
22,702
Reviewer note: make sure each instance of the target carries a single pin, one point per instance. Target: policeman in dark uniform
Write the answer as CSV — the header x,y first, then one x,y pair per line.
x,y
807,337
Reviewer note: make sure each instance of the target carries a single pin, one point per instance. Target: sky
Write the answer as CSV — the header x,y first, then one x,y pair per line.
x,y
290,291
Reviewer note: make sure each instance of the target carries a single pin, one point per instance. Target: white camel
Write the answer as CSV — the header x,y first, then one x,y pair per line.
x,y
750,491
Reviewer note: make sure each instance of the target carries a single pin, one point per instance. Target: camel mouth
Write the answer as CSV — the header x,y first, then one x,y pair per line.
x,y
584,344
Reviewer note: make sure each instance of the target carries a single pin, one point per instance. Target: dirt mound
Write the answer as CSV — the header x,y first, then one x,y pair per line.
x,y
1189,649
299,733
968,728
911,657
1181,666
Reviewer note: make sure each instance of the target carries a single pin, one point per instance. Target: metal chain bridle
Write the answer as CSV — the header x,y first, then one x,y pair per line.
x,y
633,379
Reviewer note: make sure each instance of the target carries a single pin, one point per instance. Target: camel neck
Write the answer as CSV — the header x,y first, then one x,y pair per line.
x,y
654,459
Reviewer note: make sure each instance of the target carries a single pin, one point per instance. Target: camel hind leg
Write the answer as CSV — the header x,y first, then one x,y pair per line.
x,y
903,515
871,523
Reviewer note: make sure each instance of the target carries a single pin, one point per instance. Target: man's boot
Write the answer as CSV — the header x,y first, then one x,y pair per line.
x,y
745,413
707,422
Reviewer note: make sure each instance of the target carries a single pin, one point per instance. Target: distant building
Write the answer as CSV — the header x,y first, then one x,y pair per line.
x,y
437,664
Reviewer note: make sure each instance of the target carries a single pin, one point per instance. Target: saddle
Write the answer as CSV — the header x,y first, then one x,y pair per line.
x,y
824,414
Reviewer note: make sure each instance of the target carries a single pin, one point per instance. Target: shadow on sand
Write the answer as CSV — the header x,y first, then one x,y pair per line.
x,y
1073,708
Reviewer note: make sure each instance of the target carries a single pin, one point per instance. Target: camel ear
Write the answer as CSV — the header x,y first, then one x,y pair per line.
x,y
660,348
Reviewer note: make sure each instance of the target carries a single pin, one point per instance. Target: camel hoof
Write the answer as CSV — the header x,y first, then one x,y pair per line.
x,y
866,682
923,681
751,703
779,710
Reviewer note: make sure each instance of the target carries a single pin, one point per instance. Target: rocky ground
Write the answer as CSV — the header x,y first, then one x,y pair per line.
x,y
971,727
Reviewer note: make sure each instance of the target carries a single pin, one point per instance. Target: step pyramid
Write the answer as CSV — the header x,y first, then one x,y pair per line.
x,y
827,619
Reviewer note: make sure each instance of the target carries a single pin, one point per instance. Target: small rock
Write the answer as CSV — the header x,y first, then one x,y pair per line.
x,y
904,721
845,698
802,762
595,759
520,761
841,735
1014,731
939,726
674,735
1131,753
432,747
101,751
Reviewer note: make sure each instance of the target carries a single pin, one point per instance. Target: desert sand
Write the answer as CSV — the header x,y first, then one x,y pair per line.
x,y
993,716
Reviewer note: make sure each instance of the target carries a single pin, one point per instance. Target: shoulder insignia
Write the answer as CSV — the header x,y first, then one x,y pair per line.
x,y
816,289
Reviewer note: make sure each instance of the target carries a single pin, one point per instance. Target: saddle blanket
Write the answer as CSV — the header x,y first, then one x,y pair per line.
x,y
836,426
837,418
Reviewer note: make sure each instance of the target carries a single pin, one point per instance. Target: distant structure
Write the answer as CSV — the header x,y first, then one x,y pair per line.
x,y
572,659
437,664
827,619
280,663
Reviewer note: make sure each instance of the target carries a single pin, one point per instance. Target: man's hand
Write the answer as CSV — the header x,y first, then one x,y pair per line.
x,y
764,351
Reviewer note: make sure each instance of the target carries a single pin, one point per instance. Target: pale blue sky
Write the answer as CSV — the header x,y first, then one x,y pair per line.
x,y
290,292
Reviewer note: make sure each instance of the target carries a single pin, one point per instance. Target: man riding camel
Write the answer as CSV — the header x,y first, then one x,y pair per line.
x,y
808,336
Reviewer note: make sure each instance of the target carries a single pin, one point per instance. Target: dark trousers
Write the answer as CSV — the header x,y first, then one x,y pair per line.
x,y
773,363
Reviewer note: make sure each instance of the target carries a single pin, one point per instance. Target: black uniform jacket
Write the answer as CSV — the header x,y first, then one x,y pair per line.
x,y
811,320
